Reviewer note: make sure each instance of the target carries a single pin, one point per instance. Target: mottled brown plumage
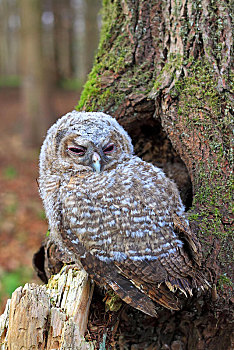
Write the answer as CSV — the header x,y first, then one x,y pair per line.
x,y
121,216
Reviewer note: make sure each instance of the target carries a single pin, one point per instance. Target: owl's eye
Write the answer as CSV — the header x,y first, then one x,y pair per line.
x,y
80,151
109,148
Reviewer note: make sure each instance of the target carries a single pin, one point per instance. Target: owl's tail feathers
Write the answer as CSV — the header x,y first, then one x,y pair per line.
x,y
144,299
200,282
162,296
132,295
185,286
181,284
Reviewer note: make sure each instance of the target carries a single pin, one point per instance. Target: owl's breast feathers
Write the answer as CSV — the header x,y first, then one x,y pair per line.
x,y
127,227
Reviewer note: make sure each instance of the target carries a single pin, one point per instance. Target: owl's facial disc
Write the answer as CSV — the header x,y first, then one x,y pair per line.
x,y
88,154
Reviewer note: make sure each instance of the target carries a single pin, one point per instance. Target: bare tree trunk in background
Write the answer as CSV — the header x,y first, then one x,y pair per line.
x,y
35,82
91,32
79,41
63,38
4,52
9,39
85,36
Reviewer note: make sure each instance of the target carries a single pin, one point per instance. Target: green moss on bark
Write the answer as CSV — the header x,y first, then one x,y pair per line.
x,y
115,74
169,73
224,282
113,56
201,107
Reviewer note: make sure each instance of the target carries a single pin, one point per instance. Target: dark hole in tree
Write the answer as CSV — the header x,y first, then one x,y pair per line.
x,y
152,144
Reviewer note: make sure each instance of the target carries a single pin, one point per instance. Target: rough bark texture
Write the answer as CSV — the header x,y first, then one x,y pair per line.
x,y
48,317
163,69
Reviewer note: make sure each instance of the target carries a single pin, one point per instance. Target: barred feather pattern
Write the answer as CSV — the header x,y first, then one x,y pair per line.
x,y
125,223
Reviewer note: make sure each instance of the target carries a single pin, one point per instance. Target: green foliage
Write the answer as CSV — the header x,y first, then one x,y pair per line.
x,y
71,84
112,301
10,81
10,173
9,281
224,281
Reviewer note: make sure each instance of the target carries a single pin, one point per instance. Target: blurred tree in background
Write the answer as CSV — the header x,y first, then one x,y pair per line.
x,y
43,45
35,86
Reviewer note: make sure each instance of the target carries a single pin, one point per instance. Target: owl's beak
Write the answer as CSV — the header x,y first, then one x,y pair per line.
x,y
96,162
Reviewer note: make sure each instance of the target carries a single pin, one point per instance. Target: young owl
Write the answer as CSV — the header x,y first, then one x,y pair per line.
x,y
122,217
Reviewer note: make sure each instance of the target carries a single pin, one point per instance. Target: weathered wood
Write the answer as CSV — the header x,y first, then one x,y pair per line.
x,y
49,317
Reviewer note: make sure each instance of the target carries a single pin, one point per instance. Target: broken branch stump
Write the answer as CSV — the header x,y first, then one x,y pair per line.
x,y
52,316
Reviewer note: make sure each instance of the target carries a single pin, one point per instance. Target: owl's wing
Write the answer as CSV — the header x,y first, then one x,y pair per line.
x,y
182,227
161,194
97,254
125,288
174,253
108,273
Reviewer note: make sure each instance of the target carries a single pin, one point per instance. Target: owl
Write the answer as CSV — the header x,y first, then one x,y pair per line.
x,y
121,217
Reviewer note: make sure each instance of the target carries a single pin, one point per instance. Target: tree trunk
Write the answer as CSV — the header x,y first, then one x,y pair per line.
x,y
91,32
163,70
35,88
63,38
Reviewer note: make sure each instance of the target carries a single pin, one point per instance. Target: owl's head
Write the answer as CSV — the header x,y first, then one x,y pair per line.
x,y
83,141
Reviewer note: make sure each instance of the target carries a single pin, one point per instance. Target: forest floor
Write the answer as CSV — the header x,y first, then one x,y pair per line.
x,y
22,220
